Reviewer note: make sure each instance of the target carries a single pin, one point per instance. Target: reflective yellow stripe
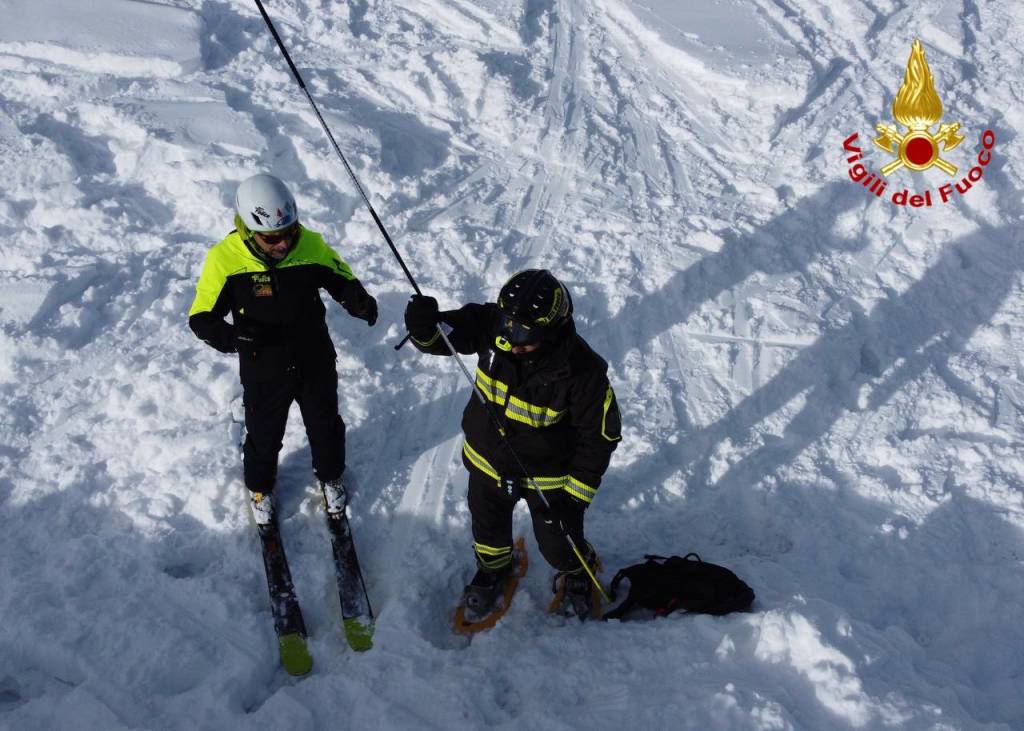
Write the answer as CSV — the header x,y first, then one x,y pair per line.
x,y
556,304
517,409
609,396
580,489
476,459
493,557
536,416
539,483
494,390
490,381
545,483
437,334
486,550
495,563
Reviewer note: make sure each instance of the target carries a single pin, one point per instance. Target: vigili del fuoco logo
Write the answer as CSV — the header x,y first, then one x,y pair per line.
x,y
917,108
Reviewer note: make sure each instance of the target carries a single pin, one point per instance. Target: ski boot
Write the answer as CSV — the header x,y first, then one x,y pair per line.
x,y
262,506
335,496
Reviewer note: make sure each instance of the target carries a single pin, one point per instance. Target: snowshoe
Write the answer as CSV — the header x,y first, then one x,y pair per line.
x,y
489,594
483,591
576,595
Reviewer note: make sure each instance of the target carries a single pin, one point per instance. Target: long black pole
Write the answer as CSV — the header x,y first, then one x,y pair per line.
x,y
412,281
337,149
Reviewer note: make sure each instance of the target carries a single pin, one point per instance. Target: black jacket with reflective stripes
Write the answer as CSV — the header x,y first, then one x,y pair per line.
x,y
557,407
275,305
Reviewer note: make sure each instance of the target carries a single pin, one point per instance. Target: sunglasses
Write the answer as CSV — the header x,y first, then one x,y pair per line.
x,y
273,238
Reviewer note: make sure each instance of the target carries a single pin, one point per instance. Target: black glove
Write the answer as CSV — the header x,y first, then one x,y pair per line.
x,y
564,503
421,316
368,312
564,510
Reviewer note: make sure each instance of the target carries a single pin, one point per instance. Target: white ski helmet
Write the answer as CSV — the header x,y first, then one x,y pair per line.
x,y
264,204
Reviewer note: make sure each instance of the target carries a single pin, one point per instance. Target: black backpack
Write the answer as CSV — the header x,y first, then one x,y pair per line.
x,y
667,584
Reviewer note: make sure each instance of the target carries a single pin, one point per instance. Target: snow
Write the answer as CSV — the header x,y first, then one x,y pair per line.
x,y
125,38
820,389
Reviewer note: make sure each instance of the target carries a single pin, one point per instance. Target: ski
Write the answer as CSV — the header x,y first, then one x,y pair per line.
x,y
284,605
356,612
469,625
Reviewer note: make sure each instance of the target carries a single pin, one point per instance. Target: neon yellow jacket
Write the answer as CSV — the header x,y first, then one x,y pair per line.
x,y
277,316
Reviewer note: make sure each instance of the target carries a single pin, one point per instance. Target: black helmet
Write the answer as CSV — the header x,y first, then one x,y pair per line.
x,y
533,306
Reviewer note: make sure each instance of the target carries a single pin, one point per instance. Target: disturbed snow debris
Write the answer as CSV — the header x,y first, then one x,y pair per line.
x,y
820,390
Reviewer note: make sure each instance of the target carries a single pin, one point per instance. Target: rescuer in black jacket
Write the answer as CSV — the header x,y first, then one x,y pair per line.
x,y
268,274
550,394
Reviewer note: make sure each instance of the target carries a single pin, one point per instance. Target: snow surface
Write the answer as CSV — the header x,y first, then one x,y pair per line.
x,y
820,389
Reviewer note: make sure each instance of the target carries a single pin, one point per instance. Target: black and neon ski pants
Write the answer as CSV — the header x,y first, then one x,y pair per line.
x,y
266,415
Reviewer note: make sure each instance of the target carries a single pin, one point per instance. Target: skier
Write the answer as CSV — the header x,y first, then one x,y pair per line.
x,y
550,393
267,273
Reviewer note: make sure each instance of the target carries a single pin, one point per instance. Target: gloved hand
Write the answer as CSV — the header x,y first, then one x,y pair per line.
x,y
565,510
368,311
564,503
421,316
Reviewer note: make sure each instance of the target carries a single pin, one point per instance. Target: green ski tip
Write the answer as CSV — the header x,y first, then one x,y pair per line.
x,y
295,655
359,633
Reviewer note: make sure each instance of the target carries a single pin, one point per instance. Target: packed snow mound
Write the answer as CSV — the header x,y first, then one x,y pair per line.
x,y
120,37
820,389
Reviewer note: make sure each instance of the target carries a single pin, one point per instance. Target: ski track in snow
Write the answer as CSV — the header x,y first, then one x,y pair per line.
x,y
820,390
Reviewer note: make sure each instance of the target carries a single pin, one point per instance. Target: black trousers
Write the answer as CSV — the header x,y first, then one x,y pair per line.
x,y
266,415
491,509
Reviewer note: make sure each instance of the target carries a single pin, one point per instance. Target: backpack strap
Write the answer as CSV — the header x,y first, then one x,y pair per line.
x,y
627,573
614,588
627,603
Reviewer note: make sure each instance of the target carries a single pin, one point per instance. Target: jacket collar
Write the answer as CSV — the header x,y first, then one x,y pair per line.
x,y
246,236
551,362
